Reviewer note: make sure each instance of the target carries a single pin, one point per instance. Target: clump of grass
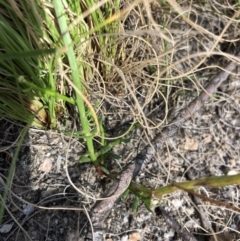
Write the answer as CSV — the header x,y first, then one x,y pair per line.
x,y
32,45
41,63
26,65
34,42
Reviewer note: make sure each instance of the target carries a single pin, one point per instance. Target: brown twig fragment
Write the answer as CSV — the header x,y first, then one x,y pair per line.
x,y
204,217
183,233
102,208
205,198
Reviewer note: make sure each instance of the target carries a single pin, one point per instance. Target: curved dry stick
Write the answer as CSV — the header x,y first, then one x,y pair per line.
x,y
184,233
102,208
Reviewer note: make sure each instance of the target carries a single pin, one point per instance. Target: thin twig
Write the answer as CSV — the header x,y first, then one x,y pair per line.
x,y
204,217
186,236
207,199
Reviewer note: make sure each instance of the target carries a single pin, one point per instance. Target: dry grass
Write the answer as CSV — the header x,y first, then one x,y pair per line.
x,y
161,55
166,57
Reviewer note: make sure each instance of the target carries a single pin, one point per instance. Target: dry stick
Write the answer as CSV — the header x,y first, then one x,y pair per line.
x,y
186,236
102,208
204,217
205,198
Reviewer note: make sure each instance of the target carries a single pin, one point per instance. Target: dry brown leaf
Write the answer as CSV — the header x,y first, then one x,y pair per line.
x,y
46,166
134,237
42,114
190,145
207,139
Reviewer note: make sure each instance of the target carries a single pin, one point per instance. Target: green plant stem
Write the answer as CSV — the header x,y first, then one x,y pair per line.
x,y
209,182
77,75
28,54
12,167
46,91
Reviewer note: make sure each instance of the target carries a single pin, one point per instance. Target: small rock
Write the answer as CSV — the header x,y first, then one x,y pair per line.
x,y
6,228
135,237
46,166
124,238
177,203
28,209
190,145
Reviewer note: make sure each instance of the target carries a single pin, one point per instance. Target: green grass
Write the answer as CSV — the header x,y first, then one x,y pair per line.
x,y
25,57
37,39
77,74
12,168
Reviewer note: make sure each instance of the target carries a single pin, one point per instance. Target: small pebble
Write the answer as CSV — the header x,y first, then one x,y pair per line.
x,y
6,228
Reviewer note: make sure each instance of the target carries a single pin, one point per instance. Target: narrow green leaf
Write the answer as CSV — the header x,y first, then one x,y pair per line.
x,y
125,195
85,159
26,54
105,149
135,204
114,156
105,170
